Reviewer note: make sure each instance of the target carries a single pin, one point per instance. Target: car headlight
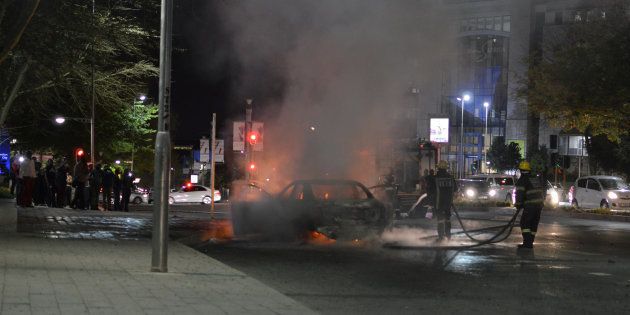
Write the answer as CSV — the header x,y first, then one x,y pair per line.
x,y
492,193
612,195
470,192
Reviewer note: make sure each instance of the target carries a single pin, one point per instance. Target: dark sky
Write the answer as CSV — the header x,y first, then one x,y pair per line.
x,y
201,74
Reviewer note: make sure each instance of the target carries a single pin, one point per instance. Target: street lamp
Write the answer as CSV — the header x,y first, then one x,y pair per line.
x,y
60,120
461,168
485,134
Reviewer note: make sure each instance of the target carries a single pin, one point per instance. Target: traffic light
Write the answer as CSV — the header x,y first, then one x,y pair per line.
x,y
79,153
252,166
252,137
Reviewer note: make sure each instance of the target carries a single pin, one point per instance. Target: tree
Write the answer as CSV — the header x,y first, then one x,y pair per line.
x,y
502,156
65,46
582,81
538,159
606,156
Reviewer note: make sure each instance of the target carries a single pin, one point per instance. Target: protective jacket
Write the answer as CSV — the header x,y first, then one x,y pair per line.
x,y
530,196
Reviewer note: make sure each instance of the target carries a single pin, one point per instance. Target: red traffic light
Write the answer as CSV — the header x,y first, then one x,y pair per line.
x,y
79,152
252,138
252,166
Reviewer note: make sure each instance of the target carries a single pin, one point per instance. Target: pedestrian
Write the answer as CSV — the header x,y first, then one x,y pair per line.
x,y
15,170
61,183
41,188
117,187
127,184
108,183
443,188
96,181
79,180
51,200
431,190
530,197
28,174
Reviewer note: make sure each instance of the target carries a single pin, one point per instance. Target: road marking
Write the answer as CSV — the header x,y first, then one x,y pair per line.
x,y
601,274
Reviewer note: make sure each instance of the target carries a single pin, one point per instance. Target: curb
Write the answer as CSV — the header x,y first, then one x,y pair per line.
x,y
601,217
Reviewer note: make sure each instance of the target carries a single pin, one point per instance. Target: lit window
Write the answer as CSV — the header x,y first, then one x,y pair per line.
x,y
507,23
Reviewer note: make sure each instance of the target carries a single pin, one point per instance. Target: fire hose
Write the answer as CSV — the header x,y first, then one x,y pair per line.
x,y
500,236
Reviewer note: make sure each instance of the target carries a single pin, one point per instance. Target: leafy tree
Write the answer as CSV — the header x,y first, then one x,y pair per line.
x,y
538,159
47,70
582,81
502,156
606,156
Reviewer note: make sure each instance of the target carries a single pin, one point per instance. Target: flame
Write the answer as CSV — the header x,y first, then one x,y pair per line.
x,y
317,238
219,230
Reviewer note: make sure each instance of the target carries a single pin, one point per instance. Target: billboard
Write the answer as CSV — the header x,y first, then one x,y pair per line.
x,y
438,130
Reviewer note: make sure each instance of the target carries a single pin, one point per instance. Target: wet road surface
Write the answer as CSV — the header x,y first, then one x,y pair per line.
x,y
578,266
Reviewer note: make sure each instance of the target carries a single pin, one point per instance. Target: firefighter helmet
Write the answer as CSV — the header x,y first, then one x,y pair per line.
x,y
442,165
524,166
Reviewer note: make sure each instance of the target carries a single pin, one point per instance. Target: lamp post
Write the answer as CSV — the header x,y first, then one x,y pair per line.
x,y
60,120
461,168
485,143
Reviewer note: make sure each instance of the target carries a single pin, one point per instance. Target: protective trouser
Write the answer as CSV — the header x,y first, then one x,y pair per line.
x,y
529,225
444,222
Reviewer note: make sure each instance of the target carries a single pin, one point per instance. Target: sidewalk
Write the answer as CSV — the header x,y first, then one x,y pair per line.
x,y
58,276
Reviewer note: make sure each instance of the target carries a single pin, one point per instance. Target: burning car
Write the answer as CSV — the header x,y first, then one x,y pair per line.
x,y
338,209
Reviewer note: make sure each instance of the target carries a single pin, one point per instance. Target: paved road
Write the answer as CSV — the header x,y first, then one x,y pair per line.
x,y
577,266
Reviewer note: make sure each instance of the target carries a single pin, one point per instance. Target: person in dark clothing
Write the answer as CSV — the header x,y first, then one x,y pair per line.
x,y
51,200
96,181
41,186
431,190
61,178
127,184
15,170
443,188
80,178
108,183
530,197
117,187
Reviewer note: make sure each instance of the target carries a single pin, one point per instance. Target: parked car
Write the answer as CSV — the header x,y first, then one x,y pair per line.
x,y
139,196
192,193
474,189
600,191
343,209
500,187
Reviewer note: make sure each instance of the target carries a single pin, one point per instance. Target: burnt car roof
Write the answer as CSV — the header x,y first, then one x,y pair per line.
x,y
327,181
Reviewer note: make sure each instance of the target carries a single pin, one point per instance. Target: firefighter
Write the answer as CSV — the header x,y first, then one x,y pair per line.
x,y
442,191
530,197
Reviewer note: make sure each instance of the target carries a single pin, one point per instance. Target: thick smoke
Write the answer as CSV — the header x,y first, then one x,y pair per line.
x,y
346,69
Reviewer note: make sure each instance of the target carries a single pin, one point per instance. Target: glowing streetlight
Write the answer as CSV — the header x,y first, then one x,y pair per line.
x,y
60,120
143,98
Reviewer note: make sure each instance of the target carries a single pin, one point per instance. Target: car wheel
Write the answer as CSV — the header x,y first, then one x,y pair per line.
x,y
137,200
206,200
604,204
171,201
574,204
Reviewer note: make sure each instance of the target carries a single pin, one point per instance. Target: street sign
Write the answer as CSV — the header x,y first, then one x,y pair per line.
x,y
438,130
258,128
239,136
204,150
219,147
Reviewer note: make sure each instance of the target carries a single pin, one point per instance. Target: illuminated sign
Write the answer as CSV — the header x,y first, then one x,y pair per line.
x,y
438,130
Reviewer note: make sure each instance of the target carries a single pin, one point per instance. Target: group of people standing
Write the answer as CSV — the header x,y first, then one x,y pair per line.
x,y
52,185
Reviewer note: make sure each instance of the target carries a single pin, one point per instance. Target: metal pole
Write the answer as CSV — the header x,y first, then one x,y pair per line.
x,y
93,91
461,144
485,144
212,161
162,146
248,128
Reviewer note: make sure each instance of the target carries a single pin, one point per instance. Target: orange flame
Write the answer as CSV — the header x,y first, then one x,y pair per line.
x,y
317,238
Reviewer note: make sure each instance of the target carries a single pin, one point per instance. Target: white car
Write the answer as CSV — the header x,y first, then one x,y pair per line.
x,y
193,194
500,187
601,191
